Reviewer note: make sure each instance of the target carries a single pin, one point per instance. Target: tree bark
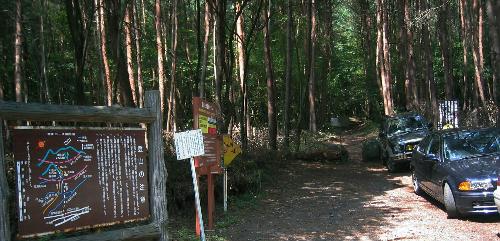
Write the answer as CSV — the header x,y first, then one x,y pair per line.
x,y
477,43
204,60
101,26
464,20
171,103
288,74
371,83
159,50
495,47
138,53
128,50
43,54
240,32
446,56
383,57
116,13
205,50
18,53
312,80
220,50
410,83
429,67
271,99
78,27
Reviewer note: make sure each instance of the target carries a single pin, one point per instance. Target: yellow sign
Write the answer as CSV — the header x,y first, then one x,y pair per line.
x,y
231,150
203,123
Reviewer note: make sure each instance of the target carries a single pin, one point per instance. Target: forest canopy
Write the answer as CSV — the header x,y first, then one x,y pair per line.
x,y
279,65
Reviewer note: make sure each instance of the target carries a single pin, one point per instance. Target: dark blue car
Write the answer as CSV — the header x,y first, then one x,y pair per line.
x,y
398,137
459,168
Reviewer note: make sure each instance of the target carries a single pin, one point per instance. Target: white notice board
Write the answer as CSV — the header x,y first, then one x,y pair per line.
x,y
189,144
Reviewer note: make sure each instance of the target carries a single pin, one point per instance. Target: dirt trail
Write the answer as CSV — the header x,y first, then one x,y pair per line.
x,y
351,201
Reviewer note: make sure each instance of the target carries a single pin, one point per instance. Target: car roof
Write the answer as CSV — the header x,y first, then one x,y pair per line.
x,y
403,115
456,130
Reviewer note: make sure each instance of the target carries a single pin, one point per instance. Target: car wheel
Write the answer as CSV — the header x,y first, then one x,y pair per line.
x,y
383,156
416,183
391,166
449,202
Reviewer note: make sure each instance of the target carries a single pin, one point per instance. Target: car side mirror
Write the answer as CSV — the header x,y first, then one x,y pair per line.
x,y
432,157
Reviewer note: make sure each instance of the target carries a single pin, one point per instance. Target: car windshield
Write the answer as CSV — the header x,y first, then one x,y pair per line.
x,y
470,144
405,124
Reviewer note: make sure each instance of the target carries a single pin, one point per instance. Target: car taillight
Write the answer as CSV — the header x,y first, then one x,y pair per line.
x,y
498,181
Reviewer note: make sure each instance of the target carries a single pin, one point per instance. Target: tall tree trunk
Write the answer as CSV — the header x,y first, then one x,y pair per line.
x,y
204,60
493,20
371,82
383,57
241,46
128,50
220,50
444,43
464,20
288,74
477,30
159,50
18,36
138,53
271,99
429,67
116,11
410,83
171,103
104,56
312,59
387,58
78,27
43,54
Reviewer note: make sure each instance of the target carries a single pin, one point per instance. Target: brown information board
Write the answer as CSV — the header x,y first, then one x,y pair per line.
x,y
72,179
205,116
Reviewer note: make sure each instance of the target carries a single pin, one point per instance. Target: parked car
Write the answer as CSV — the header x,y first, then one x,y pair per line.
x,y
459,168
496,195
398,136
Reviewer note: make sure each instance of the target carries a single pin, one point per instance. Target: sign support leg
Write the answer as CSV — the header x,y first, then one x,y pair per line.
x,y
225,190
211,201
197,199
4,194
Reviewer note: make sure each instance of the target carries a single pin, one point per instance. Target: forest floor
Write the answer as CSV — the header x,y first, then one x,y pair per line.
x,y
348,201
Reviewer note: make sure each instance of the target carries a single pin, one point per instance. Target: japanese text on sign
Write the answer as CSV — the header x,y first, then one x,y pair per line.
x,y
70,179
189,144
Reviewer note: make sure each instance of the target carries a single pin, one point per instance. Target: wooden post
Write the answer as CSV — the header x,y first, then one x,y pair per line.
x,y
157,168
211,200
4,193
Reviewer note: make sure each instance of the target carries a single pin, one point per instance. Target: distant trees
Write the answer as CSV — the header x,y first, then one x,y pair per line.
x,y
281,66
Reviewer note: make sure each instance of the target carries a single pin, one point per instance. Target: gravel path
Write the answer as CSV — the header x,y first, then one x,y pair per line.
x,y
352,201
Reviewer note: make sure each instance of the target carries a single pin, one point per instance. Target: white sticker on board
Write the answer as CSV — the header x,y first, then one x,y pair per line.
x,y
189,144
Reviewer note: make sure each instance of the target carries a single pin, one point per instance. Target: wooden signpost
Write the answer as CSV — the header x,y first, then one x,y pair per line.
x,y
57,168
206,116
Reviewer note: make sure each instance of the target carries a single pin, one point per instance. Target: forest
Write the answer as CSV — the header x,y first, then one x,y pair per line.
x,y
279,66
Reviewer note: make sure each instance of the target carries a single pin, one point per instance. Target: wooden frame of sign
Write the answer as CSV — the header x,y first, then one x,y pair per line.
x,y
157,228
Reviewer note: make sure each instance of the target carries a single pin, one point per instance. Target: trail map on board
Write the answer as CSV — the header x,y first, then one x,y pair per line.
x,y
70,179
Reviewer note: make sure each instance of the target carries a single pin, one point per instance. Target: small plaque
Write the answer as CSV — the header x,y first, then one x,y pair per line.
x,y
189,144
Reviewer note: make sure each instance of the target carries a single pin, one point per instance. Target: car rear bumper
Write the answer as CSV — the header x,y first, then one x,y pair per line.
x,y
475,203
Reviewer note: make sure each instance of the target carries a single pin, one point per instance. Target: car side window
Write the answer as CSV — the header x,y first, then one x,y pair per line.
x,y
424,144
434,147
